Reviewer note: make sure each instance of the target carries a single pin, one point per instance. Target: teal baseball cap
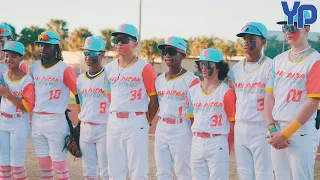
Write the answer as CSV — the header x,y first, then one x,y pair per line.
x,y
306,15
254,28
127,29
94,43
211,54
5,30
175,42
48,37
14,46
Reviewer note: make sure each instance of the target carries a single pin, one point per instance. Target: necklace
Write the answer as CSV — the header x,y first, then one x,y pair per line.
x,y
301,51
124,66
177,73
93,75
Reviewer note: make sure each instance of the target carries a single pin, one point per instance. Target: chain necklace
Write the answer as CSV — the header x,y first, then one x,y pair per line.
x,y
176,74
93,75
124,66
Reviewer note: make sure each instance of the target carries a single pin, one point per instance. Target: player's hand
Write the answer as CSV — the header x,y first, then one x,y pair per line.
x,y
278,141
4,91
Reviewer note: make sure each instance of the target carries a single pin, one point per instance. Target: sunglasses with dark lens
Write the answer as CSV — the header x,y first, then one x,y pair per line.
x,y
252,29
205,64
92,54
122,39
170,51
290,28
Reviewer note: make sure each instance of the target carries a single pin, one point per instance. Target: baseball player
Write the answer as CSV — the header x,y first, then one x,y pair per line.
x,y
17,102
173,135
291,102
94,112
132,82
5,36
53,80
212,104
249,78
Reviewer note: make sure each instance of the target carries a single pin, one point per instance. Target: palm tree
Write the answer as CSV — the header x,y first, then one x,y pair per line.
x,y
60,27
77,38
106,35
27,37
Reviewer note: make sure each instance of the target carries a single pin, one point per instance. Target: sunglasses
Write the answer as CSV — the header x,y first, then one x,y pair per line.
x,y
92,54
202,64
290,28
122,39
44,37
170,51
252,29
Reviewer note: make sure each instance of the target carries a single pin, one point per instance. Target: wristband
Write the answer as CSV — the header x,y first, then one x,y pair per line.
x,y
291,129
272,128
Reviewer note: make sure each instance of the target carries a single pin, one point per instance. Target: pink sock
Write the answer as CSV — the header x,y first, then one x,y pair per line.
x,y
62,170
46,168
5,173
19,173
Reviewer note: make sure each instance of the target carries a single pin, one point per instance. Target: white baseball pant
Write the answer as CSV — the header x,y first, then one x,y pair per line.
x,y
252,151
296,162
172,150
93,145
210,158
48,135
14,134
127,146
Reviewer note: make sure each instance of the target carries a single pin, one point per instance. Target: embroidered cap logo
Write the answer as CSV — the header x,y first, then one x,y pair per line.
x,y
122,27
206,53
12,45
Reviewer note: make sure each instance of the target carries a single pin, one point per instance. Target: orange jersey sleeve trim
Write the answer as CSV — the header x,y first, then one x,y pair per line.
x,y
190,115
229,101
313,81
195,82
23,67
149,76
28,97
70,80
269,89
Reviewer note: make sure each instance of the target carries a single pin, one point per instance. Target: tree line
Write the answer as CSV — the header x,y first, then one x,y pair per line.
x,y
72,41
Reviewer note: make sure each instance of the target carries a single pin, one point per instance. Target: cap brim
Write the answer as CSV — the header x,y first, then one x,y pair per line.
x,y
4,50
116,33
282,22
47,42
242,34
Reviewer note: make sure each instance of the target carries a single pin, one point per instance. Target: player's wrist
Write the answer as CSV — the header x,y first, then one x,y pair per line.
x,y
272,128
291,128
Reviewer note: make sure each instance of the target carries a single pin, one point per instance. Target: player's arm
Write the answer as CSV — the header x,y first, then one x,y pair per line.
x,y
229,101
149,76
194,82
70,80
269,101
311,106
190,108
231,79
28,98
108,88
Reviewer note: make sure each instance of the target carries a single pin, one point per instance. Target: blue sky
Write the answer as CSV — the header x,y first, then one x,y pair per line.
x,y
160,18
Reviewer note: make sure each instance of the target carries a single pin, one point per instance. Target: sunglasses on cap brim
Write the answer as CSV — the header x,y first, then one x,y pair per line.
x,y
251,29
92,53
122,39
171,51
44,37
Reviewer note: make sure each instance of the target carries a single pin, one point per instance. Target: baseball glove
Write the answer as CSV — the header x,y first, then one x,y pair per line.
x,y
72,140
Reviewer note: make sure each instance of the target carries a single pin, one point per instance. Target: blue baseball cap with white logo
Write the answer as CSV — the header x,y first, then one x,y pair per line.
x,y
48,37
14,46
254,28
127,29
175,42
211,54
5,30
94,43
